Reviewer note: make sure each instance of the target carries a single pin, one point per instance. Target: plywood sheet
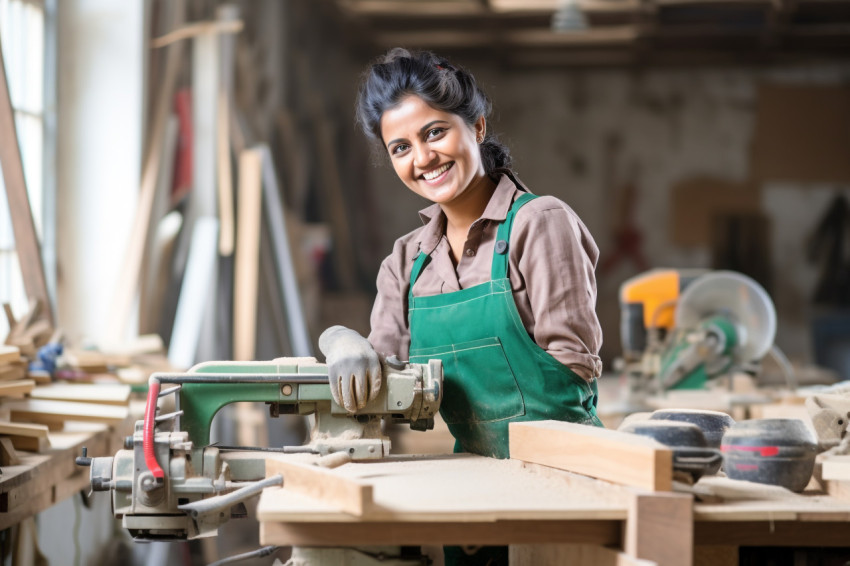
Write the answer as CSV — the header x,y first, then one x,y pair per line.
x,y
90,393
460,487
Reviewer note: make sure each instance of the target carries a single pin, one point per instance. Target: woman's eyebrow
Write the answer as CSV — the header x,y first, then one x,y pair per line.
x,y
422,130
429,124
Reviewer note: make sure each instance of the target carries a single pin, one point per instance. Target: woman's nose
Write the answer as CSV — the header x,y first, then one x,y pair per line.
x,y
423,155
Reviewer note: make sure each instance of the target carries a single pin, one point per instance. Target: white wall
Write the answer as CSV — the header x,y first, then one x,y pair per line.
x,y
101,85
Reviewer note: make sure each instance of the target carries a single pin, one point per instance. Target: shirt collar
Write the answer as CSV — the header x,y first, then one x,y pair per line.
x,y
435,221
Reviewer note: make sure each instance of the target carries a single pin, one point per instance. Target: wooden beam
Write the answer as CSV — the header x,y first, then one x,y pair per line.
x,y
348,494
227,49
610,455
26,239
196,29
57,412
525,6
247,259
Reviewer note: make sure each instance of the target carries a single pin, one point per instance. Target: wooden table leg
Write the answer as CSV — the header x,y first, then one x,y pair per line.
x,y
660,528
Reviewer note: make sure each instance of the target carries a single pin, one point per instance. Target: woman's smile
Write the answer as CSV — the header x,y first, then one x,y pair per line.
x,y
436,176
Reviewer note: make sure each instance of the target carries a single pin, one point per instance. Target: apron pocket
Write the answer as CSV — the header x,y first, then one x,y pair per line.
x,y
479,385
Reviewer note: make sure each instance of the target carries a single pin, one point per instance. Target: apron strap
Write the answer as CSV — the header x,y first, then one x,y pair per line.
x,y
419,264
499,269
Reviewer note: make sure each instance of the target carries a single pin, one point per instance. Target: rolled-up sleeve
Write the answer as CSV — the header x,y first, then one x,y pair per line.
x,y
553,276
390,333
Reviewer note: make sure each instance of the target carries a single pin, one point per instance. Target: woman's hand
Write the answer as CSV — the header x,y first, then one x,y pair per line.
x,y
354,368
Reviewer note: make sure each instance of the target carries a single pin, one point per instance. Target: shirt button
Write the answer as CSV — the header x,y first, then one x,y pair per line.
x,y
470,252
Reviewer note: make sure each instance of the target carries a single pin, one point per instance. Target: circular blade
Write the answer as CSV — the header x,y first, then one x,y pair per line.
x,y
737,297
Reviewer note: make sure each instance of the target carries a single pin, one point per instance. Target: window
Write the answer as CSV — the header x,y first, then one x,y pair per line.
x,y
26,36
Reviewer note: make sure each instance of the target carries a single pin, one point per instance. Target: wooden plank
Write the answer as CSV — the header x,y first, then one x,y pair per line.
x,y
52,412
196,29
9,354
610,455
247,259
227,47
836,468
22,429
348,494
660,528
13,371
92,393
10,316
23,227
29,443
455,488
16,388
8,456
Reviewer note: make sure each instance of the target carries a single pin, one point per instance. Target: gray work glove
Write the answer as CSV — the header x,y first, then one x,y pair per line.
x,y
354,368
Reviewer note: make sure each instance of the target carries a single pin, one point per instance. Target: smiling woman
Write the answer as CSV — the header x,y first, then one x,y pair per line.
x,y
498,284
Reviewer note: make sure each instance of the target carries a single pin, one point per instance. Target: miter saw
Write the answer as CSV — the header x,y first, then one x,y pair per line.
x,y
682,328
169,483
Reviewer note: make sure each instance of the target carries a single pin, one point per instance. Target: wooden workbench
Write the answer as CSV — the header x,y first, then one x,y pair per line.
x,y
471,500
43,479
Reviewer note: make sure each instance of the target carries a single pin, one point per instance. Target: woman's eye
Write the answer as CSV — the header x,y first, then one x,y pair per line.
x,y
434,132
398,149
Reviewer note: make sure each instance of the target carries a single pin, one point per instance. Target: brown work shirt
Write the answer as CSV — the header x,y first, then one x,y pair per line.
x,y
551,268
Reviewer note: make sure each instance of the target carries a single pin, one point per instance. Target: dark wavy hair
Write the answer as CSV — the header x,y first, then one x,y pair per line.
x,y
440,84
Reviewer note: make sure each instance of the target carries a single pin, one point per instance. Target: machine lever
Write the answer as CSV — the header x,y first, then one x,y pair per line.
x,y
167,416
83,460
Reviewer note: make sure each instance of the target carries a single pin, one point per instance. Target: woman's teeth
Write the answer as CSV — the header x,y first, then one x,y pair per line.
x,y
431,175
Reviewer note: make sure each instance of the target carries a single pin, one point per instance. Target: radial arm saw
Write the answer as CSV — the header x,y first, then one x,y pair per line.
x,y
682,328
170,483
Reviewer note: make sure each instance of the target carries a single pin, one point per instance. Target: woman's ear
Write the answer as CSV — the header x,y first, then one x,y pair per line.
x,y
480,129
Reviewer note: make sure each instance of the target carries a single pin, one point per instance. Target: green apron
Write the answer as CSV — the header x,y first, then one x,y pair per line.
x,y
494,372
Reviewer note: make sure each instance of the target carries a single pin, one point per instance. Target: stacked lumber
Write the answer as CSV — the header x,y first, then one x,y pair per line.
x,y
85,386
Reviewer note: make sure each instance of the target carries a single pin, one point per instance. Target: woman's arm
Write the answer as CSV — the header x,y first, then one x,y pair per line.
x,y
553,260
390,333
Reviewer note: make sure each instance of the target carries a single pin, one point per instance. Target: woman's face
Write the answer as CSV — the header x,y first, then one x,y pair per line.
x,y
434,153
